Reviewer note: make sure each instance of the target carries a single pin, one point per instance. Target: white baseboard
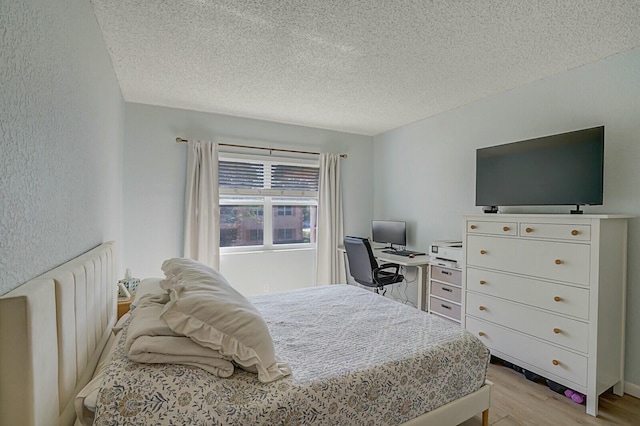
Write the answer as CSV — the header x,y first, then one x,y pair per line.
x,y
631,389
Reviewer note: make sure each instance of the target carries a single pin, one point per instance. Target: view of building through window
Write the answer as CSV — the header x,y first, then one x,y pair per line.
x,y
266,204
294,224
244,225
241,225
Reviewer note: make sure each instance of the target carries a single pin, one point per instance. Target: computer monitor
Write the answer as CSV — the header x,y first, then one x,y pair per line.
x,y
389,232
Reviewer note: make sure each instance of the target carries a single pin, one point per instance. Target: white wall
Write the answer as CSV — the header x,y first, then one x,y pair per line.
x,y
61,134
435,158
269,272
154,181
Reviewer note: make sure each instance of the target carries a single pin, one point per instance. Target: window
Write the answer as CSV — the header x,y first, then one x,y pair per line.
x,y
239,225
284,210
267,203
256,235
283,234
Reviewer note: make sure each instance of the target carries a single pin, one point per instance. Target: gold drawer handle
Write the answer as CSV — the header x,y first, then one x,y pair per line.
x,y
473,227
482,308
558,299
505,229
483,252
558,262
555,362
528,230
557,330
482,282
482,334
575,232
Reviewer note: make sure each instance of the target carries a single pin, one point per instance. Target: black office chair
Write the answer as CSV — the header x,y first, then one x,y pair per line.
x,y
364,267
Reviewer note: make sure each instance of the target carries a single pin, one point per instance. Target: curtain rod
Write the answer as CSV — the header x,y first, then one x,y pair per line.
x,y
180,140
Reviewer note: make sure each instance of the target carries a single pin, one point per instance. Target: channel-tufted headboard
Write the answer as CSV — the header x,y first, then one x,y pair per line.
x,y
52,332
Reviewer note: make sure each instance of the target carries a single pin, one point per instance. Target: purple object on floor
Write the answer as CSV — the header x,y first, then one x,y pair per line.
x,y
576,397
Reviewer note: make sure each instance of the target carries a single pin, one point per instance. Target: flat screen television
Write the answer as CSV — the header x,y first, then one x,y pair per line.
x,y
389,232
563,169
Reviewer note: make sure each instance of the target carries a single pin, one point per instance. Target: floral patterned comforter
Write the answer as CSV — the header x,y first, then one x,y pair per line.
x,y
358,358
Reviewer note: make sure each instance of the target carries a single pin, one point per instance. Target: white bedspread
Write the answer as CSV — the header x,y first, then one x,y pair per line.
x,y
357,358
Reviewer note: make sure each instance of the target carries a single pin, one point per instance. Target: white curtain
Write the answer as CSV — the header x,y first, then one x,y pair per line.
x,y
330,228
202,208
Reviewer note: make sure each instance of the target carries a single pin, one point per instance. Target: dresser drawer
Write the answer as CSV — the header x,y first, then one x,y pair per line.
x,y
546,259
492,228
544,356
560,298
445,291
447,275
445,308
556,231
572,334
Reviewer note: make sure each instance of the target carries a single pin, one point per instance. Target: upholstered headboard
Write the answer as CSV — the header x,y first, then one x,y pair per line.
x,y
52,332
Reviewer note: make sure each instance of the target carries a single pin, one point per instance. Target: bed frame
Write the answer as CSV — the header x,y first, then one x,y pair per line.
x,y
459,410
54,328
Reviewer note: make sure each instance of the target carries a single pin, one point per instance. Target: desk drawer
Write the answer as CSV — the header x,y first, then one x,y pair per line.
x,y
544,356
447,275
444,307
445,291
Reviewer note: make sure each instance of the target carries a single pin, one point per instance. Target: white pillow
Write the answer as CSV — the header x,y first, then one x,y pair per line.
x,y
147,286
184,270
172,266
213,314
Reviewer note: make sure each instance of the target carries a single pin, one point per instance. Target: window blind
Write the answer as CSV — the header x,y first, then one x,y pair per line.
x,y
264,178
294,177
232,174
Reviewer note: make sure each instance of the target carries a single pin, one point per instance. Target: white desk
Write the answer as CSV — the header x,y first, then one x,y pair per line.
x,y
419,262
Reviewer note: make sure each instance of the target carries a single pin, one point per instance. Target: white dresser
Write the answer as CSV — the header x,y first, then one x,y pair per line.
x,y
547,292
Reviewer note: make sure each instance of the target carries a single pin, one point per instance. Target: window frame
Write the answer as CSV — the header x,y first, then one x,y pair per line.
x,y
270,198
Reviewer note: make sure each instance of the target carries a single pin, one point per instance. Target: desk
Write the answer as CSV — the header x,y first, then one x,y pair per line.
x,y
419,262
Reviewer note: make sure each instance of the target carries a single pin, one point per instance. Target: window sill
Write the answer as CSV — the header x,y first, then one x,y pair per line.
x,y
262,250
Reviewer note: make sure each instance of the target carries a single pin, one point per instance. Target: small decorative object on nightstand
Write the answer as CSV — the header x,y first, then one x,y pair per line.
x,y
126,290
129,283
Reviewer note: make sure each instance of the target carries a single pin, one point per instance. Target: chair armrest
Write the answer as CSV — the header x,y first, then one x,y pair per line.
x,y
389,265
382,267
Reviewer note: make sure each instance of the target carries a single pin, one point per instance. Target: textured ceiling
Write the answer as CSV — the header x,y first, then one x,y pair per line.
x,y
360,66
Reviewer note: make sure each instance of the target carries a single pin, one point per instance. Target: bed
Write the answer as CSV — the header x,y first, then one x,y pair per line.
x,y
55,327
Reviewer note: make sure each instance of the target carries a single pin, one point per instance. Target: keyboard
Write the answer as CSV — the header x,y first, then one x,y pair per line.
x,y
404,253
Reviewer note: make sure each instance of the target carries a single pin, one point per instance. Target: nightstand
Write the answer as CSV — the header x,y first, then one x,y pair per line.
x,y
123,306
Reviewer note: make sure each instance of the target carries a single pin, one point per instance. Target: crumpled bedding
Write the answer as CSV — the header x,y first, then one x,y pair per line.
x,y
150,340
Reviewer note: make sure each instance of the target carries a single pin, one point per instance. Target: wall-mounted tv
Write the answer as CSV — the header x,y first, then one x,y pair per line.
x,y
563,169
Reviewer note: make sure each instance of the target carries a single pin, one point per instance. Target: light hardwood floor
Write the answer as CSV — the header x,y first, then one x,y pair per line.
x,y
518,401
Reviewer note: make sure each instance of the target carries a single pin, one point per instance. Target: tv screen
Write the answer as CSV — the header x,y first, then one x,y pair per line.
x,y
389,232
563,169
